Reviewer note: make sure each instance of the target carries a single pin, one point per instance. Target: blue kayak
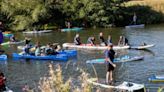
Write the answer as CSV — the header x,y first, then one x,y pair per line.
x,y
69,53
7,35
72,29
3,57
116,60
58,57
156,78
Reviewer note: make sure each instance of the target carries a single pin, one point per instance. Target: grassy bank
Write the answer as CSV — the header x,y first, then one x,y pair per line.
x,y
156,5
148,11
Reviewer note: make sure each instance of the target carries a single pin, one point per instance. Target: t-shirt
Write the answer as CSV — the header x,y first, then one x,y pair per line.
x,y
102,40
110,54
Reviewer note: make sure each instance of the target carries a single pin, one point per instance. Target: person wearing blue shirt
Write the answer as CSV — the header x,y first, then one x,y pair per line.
x,y
109,57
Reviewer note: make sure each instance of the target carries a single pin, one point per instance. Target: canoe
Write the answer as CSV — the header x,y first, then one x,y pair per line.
x,y
71,29
70,53
156,78
123,87
97,47
135,26
116,60
36,32
7,35
58,57
142,47
3,57
12,43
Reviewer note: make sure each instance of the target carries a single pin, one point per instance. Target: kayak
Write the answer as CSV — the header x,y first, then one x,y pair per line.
x,y
36,32
3,57
123,87
60,57
116,60
142,47
156,78
7,35
72,29
12,43
135,26
97,47
70,53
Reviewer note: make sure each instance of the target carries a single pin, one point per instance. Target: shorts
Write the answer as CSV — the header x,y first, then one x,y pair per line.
x,y
110,67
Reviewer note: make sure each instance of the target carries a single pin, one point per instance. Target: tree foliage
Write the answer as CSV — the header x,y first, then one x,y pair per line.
x,y
90,10
27,14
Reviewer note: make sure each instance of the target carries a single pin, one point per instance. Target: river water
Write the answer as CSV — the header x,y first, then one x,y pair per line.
x,y
20,72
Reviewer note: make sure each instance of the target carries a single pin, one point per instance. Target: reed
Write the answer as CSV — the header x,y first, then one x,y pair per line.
x,y
54,82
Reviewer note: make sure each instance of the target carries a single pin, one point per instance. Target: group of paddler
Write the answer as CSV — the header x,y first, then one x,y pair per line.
x,y
91,40
38,50
109,53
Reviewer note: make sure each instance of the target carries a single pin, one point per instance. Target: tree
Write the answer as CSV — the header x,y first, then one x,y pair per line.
x,y
25,14
90,10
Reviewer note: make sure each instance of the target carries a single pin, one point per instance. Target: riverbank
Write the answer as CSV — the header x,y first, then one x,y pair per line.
x,y
148,11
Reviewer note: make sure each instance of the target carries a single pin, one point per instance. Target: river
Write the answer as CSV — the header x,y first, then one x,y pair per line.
x,y
20,72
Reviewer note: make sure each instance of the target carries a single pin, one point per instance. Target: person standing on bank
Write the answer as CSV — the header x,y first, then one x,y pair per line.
x,y
109,57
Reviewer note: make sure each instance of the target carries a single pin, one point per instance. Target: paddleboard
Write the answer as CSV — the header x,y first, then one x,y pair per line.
x,y
35,32
156,78
123,87
135,26
116,60
142,46
89,47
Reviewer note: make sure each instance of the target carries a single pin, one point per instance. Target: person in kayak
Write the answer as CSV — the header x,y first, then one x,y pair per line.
x,y
77,40
2,82
109,41
27,41
91,41
109,57
1,51
26,50
102,40
38,50
12,38
48,49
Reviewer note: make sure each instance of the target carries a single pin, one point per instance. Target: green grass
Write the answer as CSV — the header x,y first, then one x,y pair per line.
x,y
157,5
